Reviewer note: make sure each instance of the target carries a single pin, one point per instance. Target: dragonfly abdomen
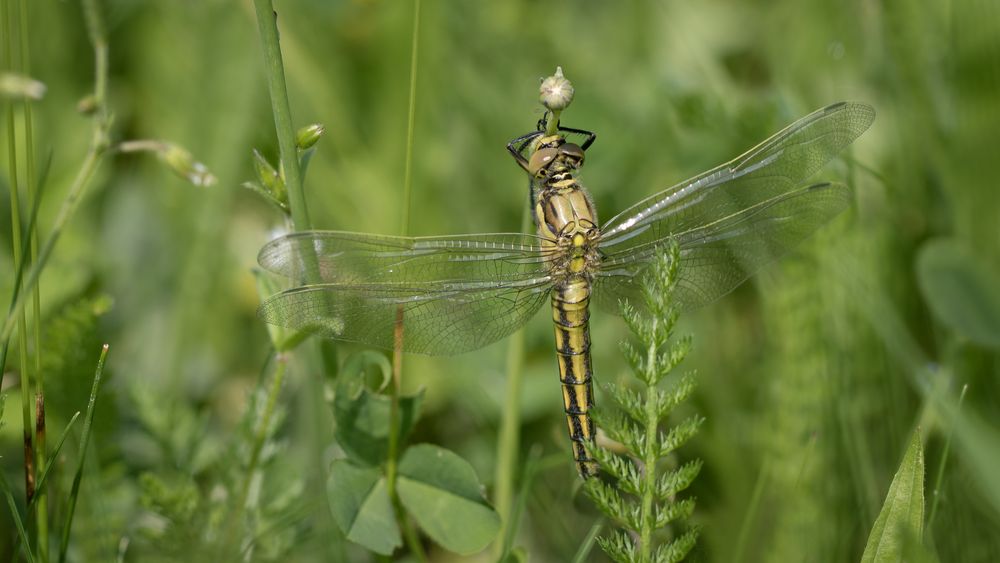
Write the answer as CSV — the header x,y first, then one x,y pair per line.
x,y
571,316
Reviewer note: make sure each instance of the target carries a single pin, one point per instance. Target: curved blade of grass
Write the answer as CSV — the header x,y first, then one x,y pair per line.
x,y
40,485
19,271
587,545
17,518
941,466
55,454
84,440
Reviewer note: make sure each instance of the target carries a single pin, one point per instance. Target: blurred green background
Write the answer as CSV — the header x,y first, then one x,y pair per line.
x,y
812,376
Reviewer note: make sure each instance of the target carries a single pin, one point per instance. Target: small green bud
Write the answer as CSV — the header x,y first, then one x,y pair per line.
x,y
556,93
87,105
309,135
184,165
20,86
269,178
176,157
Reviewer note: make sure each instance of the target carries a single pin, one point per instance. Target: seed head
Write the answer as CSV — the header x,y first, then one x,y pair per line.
x,y
309,135
556,92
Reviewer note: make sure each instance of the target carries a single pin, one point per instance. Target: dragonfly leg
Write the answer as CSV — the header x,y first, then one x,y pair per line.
x,y
591,136
517,146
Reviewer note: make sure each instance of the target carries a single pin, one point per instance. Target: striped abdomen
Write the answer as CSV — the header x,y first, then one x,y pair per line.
x,y
571,315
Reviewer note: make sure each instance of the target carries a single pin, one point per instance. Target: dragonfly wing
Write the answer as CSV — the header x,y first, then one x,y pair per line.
x,y
438,318
776,166
355,258
735,217
717,256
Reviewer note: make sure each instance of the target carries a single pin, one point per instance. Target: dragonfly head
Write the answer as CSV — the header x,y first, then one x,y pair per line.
x,y
555,156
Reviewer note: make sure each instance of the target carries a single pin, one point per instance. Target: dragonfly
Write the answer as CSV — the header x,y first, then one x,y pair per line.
x,y
455,294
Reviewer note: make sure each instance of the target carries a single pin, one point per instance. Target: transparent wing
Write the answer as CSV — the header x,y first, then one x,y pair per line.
x,y
438,318
736,217
719,255
776,166
356,259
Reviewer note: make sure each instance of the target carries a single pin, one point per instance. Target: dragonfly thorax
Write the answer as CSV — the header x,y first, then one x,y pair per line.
x,y
553,157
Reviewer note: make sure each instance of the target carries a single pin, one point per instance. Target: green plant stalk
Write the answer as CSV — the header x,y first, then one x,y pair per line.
x,y
751,514
15,225
587,545
552,125
509,439
21,532
98,147
258,444
84,442
395,390
267,24
41,514
410,120
43,476
649,456
939,478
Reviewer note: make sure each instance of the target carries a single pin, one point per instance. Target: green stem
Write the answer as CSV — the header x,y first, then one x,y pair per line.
x,y
751,513
649,459
260,437
944,459
508,442
15,225
410,120
267,23
552,125
84,442
41,515
395,389
98,147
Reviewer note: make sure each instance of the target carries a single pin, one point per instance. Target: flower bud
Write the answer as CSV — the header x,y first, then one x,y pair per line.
x,y
309,135
184,165
87,105
20,86
269,178
556,92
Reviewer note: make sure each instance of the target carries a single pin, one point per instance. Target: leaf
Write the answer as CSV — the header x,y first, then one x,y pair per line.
x,y
902,516
961,290
361,508
442,493
362,416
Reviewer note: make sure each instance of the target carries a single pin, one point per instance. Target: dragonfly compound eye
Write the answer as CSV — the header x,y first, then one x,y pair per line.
x,y
541,160
573,153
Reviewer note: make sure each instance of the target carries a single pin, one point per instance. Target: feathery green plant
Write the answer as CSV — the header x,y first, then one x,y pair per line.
x,y
640,497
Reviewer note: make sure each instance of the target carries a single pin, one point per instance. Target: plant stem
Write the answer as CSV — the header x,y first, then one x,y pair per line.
x,y
941,466
98,147
260,437
751,513
649,458
84,442
15,225
41,514
395,389
267,23
552,125
509,439
410,120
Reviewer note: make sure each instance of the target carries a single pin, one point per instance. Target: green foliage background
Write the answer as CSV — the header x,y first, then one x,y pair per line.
x,y
812,376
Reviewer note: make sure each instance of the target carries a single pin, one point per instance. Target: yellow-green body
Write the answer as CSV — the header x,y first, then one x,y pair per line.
x,y
567,223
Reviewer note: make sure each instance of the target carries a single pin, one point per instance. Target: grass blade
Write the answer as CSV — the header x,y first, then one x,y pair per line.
x,y
55,454
85,438
21,533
